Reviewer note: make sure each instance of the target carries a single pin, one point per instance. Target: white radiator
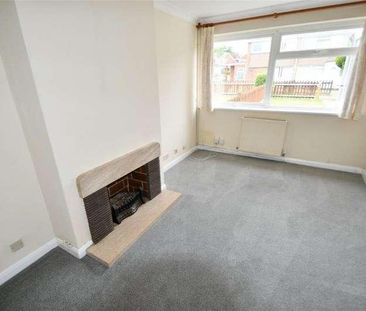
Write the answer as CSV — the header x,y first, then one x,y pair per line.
x,y
262,136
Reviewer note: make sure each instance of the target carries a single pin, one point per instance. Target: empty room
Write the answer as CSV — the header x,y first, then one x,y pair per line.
x,y
183,155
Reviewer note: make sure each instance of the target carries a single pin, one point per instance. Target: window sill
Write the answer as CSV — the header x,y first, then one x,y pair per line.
x,y
241,107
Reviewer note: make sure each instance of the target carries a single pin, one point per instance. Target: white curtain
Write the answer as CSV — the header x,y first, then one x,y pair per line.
x,y
355,96
205,67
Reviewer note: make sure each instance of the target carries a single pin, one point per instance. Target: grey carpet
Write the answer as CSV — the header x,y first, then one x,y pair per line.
x,y
247,234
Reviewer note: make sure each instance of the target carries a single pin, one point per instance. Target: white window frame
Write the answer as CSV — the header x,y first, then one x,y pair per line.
x,y
276,34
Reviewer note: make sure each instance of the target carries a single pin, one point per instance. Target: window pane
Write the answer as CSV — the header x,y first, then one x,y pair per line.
x,y
321,40
240,69
310,82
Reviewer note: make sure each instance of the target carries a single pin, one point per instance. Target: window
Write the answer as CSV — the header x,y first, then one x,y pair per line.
x,y
282,69
233,59
262,46
240,72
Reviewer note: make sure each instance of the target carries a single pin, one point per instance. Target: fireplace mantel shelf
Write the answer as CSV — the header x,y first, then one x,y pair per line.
x,y
114,245
99,177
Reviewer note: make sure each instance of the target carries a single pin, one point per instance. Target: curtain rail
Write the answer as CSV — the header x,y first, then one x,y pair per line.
x,y
275,15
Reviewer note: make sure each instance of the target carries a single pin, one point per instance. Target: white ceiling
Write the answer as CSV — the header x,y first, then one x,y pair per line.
x,y
216,10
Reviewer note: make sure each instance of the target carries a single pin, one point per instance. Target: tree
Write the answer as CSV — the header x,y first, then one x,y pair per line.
x,y
340,61
260,79
222,50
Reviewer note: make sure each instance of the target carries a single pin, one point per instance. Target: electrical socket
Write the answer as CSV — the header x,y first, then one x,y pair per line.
x,y
165,157
17,245
67,243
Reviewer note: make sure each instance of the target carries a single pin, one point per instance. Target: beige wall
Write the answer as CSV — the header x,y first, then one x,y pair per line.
x,y
175,46
94,69
26,100
22,208
309,137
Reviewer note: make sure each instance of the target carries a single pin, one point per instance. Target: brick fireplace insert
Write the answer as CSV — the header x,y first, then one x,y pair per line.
x,y
131,179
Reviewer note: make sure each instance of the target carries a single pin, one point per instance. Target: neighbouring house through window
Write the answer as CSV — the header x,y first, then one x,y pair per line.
x,y
240,73
306,68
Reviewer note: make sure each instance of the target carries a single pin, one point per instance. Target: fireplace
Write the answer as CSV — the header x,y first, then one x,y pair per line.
x,y
132,190
117,189
125,203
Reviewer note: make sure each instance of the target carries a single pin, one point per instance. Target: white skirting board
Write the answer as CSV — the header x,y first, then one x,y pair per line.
x,y
76,252
328,166
26,261
179,159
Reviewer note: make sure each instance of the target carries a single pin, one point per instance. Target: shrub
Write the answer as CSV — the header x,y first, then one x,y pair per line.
x,y
260,79
340,61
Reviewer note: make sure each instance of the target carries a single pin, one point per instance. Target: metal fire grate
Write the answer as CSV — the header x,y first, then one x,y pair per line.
x,y
125,204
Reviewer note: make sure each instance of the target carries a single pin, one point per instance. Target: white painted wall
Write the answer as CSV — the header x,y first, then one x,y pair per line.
x,y
22,208
94,68
26,100
309,137
175,46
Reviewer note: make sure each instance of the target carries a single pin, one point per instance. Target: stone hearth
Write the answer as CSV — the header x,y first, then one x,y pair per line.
x,y
115,244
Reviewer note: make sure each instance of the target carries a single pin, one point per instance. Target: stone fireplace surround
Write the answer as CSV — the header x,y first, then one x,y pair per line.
x,y
134,170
